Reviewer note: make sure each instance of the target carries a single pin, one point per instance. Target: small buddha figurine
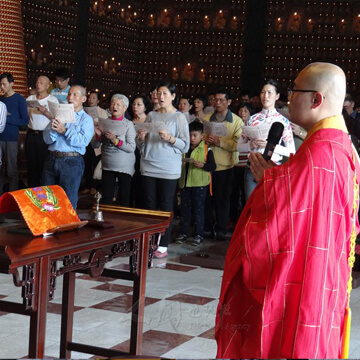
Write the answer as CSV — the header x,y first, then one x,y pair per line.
x,y
356,24
309,26
234,23
294,22
219,21
177,21
151,21
278,24
206,22
174,74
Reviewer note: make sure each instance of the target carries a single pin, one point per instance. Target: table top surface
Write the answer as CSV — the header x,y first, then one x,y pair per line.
x,y
127,224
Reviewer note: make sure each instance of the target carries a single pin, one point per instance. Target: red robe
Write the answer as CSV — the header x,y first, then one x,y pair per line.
x,y
283,292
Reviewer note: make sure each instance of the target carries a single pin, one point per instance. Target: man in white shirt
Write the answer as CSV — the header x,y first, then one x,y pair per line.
x,y
36,148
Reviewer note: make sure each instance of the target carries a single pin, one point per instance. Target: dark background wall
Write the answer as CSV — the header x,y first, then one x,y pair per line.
x,y
199,44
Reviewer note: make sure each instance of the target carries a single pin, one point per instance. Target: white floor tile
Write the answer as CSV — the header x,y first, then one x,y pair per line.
x,y
196,348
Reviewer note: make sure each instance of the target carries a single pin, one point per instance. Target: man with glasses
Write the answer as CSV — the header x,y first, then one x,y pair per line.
x,y
284,291
62,78
226,156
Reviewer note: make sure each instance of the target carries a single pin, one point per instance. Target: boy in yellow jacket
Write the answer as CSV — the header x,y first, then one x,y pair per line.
x,y
194,181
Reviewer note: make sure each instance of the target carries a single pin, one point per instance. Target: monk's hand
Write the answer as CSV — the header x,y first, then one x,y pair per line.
x,y
258,165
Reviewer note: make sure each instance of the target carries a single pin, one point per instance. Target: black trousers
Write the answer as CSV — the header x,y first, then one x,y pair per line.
x,y
90,164
159,195
220,201
36,154
109,185
237,196
193,203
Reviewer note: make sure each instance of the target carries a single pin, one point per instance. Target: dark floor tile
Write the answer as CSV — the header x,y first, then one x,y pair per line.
x,y
156,343
114,287
121,304
175,267
3,312
100,278
55,308
190,299
209,334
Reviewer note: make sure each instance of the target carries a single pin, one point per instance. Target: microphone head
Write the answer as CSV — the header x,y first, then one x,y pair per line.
x,y
275,132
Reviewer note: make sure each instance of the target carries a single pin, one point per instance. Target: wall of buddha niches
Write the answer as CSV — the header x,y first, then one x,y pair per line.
x,y
300,32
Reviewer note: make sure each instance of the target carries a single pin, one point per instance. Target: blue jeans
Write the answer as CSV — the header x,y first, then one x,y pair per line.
x,y
249,183
65,172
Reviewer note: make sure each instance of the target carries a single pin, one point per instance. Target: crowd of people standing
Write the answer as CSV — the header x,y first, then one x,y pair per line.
x,y
167,145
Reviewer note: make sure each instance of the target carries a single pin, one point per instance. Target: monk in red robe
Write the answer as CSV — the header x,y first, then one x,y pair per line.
x,y
284,289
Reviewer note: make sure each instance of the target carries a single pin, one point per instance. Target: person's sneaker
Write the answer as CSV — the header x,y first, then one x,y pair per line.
x,y
180,238
159,255
197,240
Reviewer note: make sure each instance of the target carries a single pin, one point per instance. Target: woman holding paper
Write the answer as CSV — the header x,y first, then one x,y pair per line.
x,y
140,107
117,153
161,147
263,120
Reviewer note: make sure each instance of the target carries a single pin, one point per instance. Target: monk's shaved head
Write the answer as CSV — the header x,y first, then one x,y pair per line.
x,y
318,93
328,79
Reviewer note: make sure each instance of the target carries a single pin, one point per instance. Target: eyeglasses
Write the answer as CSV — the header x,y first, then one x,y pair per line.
x,y
290,91
220,100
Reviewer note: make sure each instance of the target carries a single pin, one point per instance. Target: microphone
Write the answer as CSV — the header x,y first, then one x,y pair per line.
x,y
273,139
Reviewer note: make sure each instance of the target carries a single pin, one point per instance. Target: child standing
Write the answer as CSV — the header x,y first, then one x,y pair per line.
x,y
194,181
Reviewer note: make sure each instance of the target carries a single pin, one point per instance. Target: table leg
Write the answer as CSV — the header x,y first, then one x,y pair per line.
x,y
67,314
137,317
38,316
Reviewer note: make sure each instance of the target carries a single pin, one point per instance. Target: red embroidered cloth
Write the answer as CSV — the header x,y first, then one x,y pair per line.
x,y
283,293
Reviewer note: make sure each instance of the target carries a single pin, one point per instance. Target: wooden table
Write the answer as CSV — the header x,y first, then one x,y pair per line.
x,y
84,250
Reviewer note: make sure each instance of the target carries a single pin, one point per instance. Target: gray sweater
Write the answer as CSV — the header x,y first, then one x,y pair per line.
x,y
120,159
159,158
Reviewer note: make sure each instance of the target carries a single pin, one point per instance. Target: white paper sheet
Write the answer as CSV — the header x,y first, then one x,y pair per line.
x,y
153,127
256,132
214,128
64,112
188,160
32,104
115,126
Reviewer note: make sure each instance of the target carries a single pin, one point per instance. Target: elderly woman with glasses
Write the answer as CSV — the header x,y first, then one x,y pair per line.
x,y
266,117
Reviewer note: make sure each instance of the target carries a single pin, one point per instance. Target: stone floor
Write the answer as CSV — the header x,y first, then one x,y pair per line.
x,y
180,311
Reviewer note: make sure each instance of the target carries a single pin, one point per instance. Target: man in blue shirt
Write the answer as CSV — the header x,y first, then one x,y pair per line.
x,y
17,115
67,143
62,78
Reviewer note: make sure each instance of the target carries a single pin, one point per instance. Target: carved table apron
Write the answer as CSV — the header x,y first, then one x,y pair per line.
x,y
84,250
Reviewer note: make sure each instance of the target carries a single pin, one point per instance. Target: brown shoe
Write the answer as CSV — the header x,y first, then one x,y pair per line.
x,y
85,191
93,191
